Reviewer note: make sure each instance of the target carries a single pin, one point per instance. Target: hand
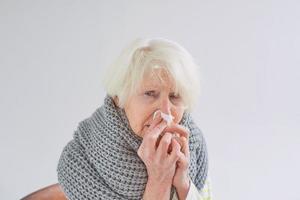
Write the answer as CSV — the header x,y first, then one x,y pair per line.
x,y
160,164
181,179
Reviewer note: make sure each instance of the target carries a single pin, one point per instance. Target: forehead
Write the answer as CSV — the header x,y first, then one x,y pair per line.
x,y
157,78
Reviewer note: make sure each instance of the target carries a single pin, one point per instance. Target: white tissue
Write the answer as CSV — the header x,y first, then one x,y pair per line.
x,y
166,117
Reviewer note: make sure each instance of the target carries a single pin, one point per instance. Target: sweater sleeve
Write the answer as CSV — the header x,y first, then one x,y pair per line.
x,y
194,194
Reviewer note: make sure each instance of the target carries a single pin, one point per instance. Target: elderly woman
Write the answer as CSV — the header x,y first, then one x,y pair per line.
x,y
142,143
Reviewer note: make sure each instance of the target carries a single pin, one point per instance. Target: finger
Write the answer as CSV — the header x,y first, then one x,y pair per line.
x,y
177,137
144,152
158,112
152,135
183,131
185,146
175,153
182,161
156,120
164,144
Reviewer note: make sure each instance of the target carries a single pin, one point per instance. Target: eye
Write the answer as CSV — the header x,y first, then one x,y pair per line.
x,y
175,96
151,93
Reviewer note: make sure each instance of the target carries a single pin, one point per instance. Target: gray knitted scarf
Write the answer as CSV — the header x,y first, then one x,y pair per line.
x,y
101,160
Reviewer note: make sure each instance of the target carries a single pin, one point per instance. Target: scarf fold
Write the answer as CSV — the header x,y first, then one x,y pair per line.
x,y
101,160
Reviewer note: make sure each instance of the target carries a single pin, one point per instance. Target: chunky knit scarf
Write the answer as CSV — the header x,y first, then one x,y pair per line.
x,y
101,160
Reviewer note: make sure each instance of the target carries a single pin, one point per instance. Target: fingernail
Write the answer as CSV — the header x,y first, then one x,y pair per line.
x,y
155,114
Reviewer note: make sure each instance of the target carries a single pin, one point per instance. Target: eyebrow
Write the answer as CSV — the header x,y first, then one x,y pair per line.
x,y
151,86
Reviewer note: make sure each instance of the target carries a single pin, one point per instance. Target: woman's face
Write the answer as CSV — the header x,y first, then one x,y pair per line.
x,y
153,95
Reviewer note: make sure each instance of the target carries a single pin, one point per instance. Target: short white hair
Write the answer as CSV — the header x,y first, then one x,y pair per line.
x,y
125,74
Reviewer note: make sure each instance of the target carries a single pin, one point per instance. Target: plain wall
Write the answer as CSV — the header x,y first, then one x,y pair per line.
x,y
52,54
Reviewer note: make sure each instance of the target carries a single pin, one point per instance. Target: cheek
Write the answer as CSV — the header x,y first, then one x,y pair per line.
x,y
143,122
135,122
138,119
178,115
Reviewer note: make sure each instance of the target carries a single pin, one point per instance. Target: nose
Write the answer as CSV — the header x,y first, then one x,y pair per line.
x,y
166,105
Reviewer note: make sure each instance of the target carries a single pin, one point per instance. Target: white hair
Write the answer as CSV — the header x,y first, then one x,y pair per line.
x,y
141,57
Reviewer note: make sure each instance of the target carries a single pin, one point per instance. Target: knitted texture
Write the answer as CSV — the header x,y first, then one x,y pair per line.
x,y
101,160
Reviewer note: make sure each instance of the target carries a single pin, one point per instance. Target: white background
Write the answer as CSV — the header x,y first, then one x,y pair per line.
x,y
52,54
